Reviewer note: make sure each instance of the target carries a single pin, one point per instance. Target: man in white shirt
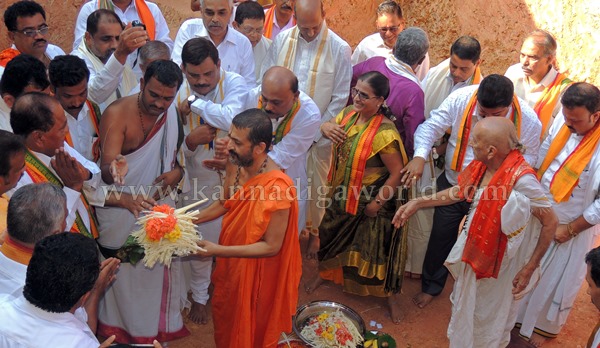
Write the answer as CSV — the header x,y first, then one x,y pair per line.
x,y
320,59
569,171
389,24
279,17
296,119
208,100
105,49
461,110
27,29
23,74
41,121
460,70
69,78
234,48
60,277
250,20
128,11
535,78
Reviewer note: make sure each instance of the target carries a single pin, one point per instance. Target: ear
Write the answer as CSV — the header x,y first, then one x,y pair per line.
x,y
219,64
88,38
596,116
260,148
11,36
142,83
235,25
491,152
37,138
9,100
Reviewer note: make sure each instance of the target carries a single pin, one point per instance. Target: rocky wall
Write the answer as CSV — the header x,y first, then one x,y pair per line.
x,y
500,26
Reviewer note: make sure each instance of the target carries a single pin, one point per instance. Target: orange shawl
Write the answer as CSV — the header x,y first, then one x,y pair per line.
x,y
254,298
464,131
16,252
545,105
7,55
485,245
567,176
269,17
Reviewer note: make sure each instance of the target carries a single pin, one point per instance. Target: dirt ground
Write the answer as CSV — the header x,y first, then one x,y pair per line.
x,y
419,327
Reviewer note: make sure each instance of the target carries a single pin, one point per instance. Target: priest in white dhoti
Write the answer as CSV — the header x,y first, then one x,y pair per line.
x,y
460,70
143,304
381,44
105,49
569,170
320,59
494,257
207,101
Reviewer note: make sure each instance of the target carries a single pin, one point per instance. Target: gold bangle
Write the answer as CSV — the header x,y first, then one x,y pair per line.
x,y
571,230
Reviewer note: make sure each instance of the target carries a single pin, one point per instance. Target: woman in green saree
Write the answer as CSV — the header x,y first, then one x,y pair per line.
x,y
357,245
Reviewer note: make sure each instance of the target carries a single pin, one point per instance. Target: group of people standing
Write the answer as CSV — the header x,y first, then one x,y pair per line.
x,y
268,114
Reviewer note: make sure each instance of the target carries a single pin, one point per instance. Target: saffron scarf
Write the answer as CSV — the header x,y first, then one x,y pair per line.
x,y
39,172
286,124
143,12
550,96
7,55
567,176
269,20
486,244
16,252
464,131
355,165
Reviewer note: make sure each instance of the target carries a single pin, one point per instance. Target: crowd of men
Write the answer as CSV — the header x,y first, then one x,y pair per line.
x,y
131,119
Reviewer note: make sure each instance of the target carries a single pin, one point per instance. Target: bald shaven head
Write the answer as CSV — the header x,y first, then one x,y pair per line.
x,y
309,18
493,139
279,91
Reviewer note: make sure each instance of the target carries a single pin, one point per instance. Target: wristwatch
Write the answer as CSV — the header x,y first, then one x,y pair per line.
x,y
191,99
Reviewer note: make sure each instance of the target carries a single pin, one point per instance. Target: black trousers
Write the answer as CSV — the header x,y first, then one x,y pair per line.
x,y
446,220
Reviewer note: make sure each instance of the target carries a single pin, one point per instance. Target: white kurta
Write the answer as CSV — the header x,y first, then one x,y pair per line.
x,y
450,113
563,266
219,106
12,277
260,53
5,116
75,205
83,132
291,152
373,46
235,51
19,318
481,309
129,15
142,302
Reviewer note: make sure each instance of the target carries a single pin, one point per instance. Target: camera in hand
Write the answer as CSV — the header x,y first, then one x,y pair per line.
x,y
137,23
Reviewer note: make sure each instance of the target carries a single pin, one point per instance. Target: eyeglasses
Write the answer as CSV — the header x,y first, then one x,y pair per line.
x,y
33,32
361,95
392,30
250,30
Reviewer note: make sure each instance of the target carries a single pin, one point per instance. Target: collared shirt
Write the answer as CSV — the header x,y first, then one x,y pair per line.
x,y
290,153
450,114
91,187
373,46
235,51
276,28
447,81
305,55
260,53
102,84
217,110
527,89
83,132
129,15
19,317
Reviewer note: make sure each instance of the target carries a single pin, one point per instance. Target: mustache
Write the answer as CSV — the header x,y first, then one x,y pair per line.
x,y
76,107
40,40
201,86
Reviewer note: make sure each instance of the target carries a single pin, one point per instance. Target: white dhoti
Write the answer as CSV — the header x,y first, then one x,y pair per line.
x,y
317,169
143,303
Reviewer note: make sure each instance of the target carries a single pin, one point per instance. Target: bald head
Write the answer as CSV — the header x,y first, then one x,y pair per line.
x,y
280,77
498,132
309,18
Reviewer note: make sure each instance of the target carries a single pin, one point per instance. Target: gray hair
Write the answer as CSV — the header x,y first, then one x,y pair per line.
x,y
229,1
544,39
411,46
154,50
36,211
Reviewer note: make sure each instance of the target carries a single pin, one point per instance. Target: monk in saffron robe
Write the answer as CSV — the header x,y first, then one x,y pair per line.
x,y
258,265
